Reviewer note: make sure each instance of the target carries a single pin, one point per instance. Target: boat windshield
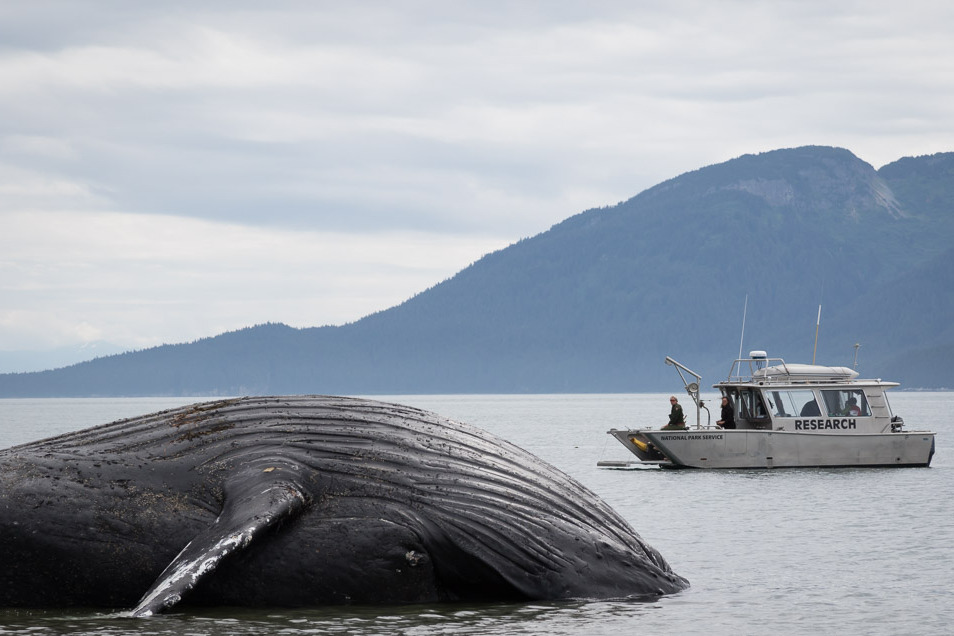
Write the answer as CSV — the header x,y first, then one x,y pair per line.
x,y
798,403
846,402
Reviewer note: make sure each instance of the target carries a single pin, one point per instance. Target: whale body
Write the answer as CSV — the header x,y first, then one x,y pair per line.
x,y
304,501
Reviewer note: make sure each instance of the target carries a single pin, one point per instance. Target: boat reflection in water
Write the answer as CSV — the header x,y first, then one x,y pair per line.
x,y
786,415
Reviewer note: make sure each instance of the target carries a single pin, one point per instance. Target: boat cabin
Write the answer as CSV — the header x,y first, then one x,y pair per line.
x,y
768,394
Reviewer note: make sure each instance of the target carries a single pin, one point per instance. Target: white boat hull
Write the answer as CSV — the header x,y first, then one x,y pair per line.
x,y
718,448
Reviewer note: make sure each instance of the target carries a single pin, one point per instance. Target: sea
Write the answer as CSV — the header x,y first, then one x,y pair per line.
x,y
783,551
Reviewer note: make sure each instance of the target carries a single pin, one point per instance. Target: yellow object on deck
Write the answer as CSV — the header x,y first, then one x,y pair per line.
x,y
643,446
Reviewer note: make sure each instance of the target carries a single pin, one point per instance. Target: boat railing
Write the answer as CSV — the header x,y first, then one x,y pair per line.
x,y
738,371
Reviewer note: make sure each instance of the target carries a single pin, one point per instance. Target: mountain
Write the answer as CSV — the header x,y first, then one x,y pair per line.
x,y
596,302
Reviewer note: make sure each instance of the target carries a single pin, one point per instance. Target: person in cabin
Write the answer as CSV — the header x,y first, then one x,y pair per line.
x,y
677,421
728,415
851,407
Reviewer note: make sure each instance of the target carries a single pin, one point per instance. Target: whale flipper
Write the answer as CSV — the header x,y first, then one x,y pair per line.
x,y
247,514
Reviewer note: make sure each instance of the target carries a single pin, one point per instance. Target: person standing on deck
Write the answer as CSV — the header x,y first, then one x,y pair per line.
x,y
728,416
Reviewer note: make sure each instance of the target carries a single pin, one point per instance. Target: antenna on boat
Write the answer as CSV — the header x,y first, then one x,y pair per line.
x,y
745,308
817,323
857,346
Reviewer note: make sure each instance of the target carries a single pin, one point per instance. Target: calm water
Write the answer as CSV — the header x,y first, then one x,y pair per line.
x,y
850,551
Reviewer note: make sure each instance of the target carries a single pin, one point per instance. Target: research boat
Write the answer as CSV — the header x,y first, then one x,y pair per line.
x,y
786,415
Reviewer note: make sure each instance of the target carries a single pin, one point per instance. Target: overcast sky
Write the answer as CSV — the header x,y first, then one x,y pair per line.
x,y
172,170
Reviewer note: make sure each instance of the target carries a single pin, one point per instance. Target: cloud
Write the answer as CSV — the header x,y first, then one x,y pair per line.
x,y
423,119
142,280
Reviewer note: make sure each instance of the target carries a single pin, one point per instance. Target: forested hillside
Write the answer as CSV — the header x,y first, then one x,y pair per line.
x,y
596,302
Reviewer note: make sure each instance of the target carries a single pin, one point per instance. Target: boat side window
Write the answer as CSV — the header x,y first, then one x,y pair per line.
x,y
752,406
843,402
799,403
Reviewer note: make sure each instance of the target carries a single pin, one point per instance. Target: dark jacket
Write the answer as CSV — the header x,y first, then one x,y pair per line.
x,y
728,416
675,416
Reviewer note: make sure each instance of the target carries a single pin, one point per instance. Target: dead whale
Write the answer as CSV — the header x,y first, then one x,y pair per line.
x,y
304,501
